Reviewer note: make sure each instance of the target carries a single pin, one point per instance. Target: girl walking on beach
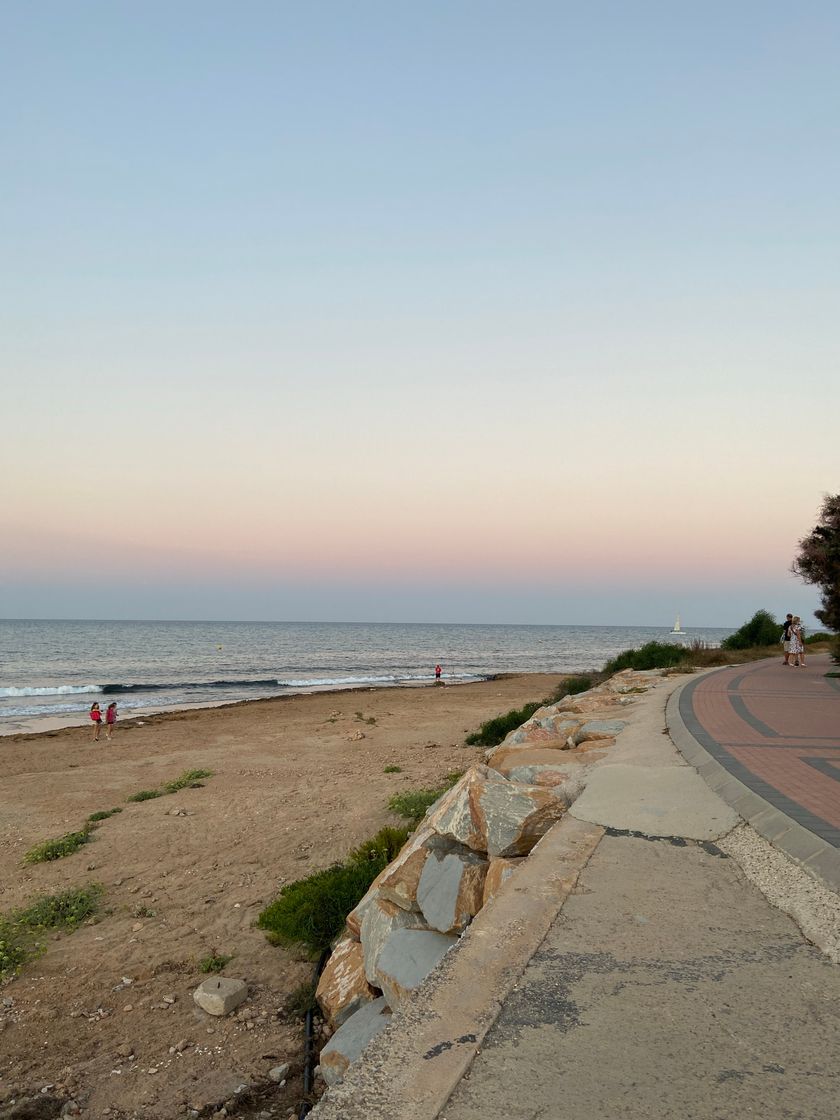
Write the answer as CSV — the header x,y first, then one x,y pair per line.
x,y
110,718
96,716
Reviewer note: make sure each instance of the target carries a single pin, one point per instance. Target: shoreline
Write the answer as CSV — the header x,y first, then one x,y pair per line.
x,y
53,725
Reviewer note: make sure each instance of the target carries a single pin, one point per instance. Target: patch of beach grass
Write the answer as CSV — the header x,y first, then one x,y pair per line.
x,y
190,779
392,770
414,803
187,779
493,731
381,848
19,930
103,815
310,912
571,686
145,795
64,910
215,962
59,847
361,718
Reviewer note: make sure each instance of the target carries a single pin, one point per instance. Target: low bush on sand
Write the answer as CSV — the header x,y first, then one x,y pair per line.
x,y
571,686
214,963
59,847
190,779
311,912
145,795
413,804
19,931
103,815
492,731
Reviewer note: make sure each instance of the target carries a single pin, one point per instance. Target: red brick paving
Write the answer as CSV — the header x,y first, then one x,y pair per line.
x,y
770,719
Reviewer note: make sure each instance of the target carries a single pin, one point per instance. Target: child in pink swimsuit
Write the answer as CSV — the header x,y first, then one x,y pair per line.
x,y
110,718
96,716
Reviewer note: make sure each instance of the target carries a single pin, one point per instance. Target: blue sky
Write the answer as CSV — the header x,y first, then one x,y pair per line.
x,y
453,311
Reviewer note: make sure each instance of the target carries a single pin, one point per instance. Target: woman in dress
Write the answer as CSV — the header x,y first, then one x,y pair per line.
x,y
797,647
110,718
96,716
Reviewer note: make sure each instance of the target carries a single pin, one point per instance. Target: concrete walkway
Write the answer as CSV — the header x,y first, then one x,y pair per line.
x,y
652,979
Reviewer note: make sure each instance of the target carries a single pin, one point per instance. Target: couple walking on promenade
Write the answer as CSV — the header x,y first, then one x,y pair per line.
x,y
793,641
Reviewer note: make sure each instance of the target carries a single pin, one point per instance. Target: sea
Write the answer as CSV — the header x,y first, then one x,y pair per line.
x,y
52,671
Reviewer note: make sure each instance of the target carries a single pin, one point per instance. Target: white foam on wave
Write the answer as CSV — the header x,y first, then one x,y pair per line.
x,y
51,690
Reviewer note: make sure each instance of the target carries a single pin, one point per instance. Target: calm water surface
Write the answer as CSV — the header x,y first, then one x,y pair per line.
x,y
55,670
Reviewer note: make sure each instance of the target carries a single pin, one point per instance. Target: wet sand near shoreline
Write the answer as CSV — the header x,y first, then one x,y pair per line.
x,y
294,788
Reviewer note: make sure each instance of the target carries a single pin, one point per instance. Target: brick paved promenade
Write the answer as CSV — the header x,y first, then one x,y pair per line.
x,y
777,730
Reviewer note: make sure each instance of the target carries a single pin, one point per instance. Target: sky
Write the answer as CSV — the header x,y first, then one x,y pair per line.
x,y
457,311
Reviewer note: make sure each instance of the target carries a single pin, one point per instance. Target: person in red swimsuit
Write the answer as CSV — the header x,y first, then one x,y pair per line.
x,y
438,671
96,716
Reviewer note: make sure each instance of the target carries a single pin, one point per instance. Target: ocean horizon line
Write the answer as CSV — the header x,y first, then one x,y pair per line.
x,y
368,622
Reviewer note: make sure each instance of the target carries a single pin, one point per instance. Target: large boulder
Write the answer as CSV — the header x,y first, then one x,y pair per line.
x,y
499,871
555,726
343,987
450,888
598,729
587,702
348,1042
487,813
381,919
407,958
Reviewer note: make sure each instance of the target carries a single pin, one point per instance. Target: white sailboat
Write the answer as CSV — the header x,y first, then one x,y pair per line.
x,y
677,629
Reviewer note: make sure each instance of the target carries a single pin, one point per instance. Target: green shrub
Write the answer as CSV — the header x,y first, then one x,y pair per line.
x,y
214,963
61,911
493,731
819,636
382,848
311,911
761,630
835,650
103,815
652,655
188,778
19,930
145,795
571,686
392,770
59,847
13,950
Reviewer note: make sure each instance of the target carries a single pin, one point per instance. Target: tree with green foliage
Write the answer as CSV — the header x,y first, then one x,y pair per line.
x,y
761,630
818,561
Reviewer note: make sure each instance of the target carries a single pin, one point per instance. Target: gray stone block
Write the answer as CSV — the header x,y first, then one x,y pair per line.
x,y
450,889
409,955
348,1042
220,995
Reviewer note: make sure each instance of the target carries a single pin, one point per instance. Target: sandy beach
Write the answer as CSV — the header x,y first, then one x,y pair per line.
x,y
294,787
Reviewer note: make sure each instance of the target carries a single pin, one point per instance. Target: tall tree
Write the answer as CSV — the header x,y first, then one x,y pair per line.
x,y
818,561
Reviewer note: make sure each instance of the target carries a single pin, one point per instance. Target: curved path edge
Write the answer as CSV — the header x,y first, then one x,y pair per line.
x,y
820,858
